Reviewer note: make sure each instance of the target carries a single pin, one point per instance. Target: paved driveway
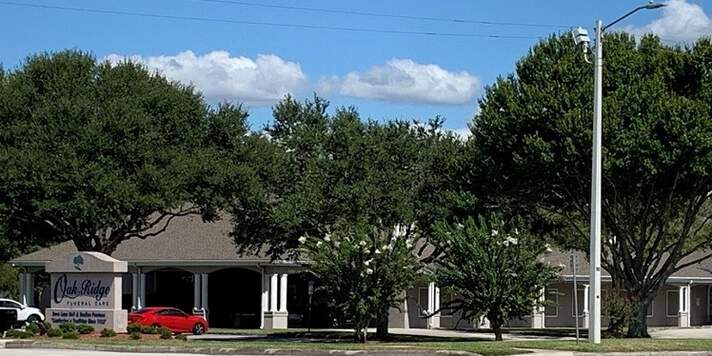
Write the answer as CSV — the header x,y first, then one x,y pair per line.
x,y
678,333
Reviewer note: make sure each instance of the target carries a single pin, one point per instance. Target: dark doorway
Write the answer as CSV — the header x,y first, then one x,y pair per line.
x,y
170,288
322,315
234,298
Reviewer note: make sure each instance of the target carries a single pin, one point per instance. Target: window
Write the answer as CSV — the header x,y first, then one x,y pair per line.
x,y
650,309
423,301
672,303
171,312
581,305
446,299
551,296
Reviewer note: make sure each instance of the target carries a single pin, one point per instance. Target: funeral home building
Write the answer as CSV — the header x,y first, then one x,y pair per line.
x,y
195,266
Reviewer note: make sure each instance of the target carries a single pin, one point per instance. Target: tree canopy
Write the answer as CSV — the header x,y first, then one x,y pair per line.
x,y
329,174
531,154
99,153
494,270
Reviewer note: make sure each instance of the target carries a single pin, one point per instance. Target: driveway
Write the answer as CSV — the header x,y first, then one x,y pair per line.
x,y
679,333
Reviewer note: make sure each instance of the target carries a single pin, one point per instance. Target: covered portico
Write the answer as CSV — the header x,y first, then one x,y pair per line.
x,y
196,267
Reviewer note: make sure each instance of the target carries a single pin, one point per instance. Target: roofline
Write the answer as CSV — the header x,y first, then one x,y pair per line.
x,y
180,263
675,279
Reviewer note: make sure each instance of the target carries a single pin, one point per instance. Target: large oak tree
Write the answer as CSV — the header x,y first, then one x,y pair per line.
x,y
531,154
98,153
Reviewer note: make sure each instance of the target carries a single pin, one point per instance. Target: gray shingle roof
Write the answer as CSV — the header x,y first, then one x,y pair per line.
x,y
187,238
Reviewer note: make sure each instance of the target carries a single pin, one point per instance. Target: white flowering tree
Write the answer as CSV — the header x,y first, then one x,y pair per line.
x,y
364,270
493,269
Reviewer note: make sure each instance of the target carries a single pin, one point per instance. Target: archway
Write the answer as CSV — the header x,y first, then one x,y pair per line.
x,y
170,288
234,298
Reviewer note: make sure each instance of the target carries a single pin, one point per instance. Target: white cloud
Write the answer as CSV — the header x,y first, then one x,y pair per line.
x,y
220,76
403,80
680,21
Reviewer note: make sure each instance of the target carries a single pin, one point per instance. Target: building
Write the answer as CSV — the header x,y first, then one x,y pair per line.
x,y
196,266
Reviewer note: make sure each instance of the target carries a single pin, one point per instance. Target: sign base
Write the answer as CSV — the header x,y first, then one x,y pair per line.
x,y
100,319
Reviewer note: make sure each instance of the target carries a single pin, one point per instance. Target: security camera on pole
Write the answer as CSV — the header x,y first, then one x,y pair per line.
x,y
581,39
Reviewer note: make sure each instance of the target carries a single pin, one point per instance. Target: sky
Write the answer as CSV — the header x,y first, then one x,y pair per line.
x,y
417,59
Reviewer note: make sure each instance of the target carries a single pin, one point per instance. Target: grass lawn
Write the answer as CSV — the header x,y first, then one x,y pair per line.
x,y
411,342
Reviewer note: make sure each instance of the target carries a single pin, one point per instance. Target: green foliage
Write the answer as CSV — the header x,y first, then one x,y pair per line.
x,y
9,281
85,329
133,328
165,333
530,153
493,268
19,334
33,328
99,153
149,330
620,312
108,332
325,174
135,336
183,337
70,335
364,270
54,332
68,327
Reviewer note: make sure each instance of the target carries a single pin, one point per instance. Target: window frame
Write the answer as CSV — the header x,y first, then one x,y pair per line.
x,y
667,302
554,291
423,311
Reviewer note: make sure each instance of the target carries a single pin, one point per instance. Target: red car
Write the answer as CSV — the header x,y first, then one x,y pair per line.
x,y
174,319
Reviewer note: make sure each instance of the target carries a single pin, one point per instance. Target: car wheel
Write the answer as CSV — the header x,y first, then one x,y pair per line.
x,y
198,329
34,319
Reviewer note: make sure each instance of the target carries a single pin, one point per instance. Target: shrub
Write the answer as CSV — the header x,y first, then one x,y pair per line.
x,y
19,334
68,327
165,333
54,332
108,332
135,336
85,329
71,335
133,328
149,330
33,328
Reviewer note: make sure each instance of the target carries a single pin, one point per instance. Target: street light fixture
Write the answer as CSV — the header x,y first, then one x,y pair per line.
x,y
581,38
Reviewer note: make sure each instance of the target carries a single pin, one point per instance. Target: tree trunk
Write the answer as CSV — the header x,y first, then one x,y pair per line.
x,y
497,329
382,326
361,334
638,327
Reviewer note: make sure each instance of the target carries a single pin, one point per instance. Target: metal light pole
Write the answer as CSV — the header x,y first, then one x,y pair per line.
x,y
594,300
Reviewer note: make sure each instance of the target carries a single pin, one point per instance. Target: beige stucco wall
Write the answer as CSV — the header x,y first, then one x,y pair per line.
x,y
564,308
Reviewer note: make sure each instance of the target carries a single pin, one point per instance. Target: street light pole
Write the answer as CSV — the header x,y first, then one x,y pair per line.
x,y
594,324
581,37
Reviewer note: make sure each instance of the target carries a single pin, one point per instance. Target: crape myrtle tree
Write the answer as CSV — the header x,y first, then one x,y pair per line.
x,y
98,153
531,154
364,270
494,268
340,175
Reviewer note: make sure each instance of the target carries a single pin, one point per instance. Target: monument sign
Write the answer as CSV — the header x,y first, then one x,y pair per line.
x,y
86,289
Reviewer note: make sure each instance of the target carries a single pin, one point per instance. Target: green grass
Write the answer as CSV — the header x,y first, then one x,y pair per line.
x,y
477,346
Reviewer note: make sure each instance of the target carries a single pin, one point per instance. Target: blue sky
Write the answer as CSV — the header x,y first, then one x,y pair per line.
x,y
386,76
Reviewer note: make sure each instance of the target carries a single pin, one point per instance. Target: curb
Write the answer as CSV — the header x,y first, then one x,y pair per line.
x,y
26,344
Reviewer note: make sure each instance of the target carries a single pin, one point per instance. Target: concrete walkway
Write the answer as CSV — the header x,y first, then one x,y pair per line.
x,y
679,333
